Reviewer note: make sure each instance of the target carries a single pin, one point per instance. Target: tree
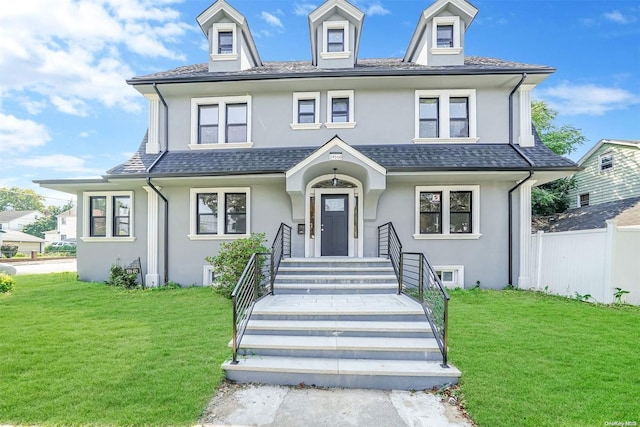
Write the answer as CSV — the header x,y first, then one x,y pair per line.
x,y
19,199
46,223
552,197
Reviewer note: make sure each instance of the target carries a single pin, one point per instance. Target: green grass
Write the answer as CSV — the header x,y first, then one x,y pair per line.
x,y
528,359
74,353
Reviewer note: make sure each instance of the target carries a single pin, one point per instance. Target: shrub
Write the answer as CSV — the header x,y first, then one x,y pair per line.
x,y
9,250
119,277
6,283
65,250
233,258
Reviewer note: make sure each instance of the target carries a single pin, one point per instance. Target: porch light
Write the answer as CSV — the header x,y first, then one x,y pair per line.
x,y
334,181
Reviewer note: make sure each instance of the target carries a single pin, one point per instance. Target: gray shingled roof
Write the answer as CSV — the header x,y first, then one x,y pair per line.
x,y
393,157
625,211
364,67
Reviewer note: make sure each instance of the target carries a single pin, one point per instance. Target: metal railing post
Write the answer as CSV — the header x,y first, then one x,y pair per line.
x,y
445,334
235,331
400,275
256,279
272,275
421,279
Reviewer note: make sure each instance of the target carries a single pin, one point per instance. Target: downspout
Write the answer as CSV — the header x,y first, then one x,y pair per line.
x,y
518,185
153,187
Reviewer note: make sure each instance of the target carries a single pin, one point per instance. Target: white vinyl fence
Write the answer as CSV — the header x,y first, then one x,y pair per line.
x,y
593,262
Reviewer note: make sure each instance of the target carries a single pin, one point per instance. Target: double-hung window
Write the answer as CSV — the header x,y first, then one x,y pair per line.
x,y
109,216
445,116
340,109
225,42
223,122
605,162
446,36
447,212
335,40
305,110
583,200
219,213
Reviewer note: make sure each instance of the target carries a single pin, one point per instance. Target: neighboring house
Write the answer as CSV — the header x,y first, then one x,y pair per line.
x,y
65,228
611,171
16,220
438,142
26,242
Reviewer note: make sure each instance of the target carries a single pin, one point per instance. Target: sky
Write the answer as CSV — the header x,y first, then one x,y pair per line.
x,y
67,112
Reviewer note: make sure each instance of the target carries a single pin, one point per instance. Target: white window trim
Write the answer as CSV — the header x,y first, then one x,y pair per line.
x,y
300,96
223,27
221,191
109,238
446,20
222,121
207,272
443,115
602,156
333,25
458,275
579,201
352,109
475,213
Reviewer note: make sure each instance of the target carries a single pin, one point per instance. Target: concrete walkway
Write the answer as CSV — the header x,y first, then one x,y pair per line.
x,y
46,266
258,405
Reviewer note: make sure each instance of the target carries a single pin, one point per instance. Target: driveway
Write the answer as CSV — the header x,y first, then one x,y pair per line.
x,y
44,267
264,405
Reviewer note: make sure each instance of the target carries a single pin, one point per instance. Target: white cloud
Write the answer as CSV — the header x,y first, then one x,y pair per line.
x,y
377,9
303,9
271,19
72,54
18,135
57,162
619,18
589,99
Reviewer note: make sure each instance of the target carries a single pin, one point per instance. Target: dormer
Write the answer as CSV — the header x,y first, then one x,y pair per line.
x,y
439,36
335,28
231,46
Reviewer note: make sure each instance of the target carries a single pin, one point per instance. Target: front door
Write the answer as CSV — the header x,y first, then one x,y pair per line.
x,y
335,225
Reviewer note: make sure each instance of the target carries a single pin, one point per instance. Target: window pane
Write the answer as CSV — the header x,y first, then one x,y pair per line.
x,y
307,106
430,223
98,216
340,110
459,128
335,41
430,202
445,35
458,108
225,42
428,129
207,213
98,227
98,206
121,205
447,276
430,212
428,108
237,114
121,226
460,223
236,213
207,224
208,135
460,201
208,114
237,133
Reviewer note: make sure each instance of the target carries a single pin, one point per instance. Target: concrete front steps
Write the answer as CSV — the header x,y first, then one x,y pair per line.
x,y
336,276
359,336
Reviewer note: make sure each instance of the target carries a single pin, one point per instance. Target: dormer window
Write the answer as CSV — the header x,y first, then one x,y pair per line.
x,y
446,35
225,42
335,40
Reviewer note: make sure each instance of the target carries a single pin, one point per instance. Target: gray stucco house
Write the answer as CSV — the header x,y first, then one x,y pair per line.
x,y
437,142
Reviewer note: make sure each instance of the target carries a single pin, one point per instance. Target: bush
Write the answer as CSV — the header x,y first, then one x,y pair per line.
x,y
119,277
65,250
233,258
9,250
6,283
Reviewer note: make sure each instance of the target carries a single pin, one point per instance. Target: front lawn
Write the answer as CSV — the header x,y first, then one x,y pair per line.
x,y
84,353
528,359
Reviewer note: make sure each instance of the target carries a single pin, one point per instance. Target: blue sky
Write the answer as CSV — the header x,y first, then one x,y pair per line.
x,y
66,111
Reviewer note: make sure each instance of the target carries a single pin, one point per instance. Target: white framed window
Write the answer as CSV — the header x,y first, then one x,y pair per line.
x,y
209,277
306,110
445,116
108,216
224,42
605,162
451,276
340,109
220,213
335,40
221,122
447,212
446,36
583,200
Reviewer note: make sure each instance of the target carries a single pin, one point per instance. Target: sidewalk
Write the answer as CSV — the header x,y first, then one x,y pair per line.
x,y
262,405
46,266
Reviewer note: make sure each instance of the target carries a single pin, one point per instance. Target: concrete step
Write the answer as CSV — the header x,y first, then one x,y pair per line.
x,y
338,262
315,269
344,347
348,373
339,288
340,328
343,279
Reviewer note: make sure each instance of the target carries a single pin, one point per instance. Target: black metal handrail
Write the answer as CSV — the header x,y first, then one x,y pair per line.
x,y
257,280
418,280
280,249
389,246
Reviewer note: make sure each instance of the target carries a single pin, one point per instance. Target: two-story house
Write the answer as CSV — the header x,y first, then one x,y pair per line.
x,y
66,227
437,142
17,220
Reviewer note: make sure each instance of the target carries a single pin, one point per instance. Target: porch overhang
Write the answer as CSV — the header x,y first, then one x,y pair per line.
x,y
336,154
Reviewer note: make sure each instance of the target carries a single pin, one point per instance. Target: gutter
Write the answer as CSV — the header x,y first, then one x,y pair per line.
x,y
518,185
